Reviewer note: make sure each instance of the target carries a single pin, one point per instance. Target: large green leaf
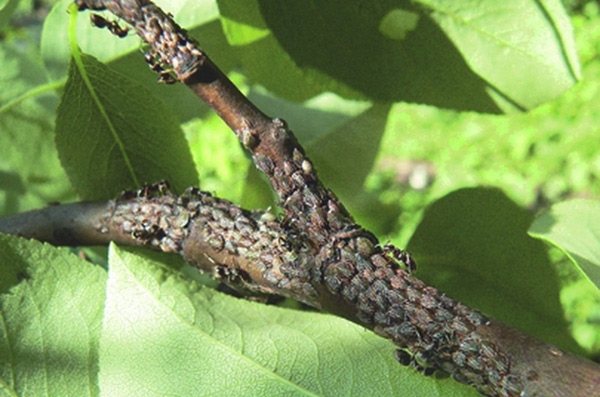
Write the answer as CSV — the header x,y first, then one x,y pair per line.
x,y
473,245
50,319
166,336
425,52
112,135
574,228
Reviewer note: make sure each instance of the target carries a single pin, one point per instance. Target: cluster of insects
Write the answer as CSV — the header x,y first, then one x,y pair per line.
x,y
163,75
401,256
101,22
406,359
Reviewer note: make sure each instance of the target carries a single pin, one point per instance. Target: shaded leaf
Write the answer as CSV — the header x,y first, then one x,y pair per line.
x,y
112,135
473,245
346,154
163,335
402,51
50,318
574,228
20,74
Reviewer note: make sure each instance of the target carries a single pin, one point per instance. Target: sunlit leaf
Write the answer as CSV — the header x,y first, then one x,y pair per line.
x,y
526,63
573,227
50,316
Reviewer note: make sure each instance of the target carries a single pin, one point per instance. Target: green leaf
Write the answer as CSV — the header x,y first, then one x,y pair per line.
x,y
345,155
7,9
166,336
30,173
6,391
473,245
574,228
527,63
402,51
99,43
20,74
112,135
50,318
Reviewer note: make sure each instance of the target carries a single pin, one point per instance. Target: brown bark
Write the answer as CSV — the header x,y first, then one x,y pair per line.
x,y
316,253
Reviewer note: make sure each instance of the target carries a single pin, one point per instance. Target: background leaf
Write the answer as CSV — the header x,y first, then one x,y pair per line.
x,y
112,135
30,173
309,51
473,245
573,227
527,66
50,318
162,335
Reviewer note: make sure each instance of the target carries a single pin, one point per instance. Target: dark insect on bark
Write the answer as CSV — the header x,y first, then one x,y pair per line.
x,y
97,5
401,256
163,75
101,22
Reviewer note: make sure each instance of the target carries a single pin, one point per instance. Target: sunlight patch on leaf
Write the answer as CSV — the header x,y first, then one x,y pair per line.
x,y
50,316
574,228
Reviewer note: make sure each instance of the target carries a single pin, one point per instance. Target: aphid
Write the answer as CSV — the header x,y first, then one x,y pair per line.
x,y
112,26
403,357
307,166
166,78
163,76
97,5
249,138
400,256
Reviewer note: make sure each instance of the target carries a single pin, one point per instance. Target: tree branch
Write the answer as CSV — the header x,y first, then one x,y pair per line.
x,y
316,254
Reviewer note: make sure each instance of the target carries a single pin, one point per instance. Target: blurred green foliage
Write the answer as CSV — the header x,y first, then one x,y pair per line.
x,y
537,158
